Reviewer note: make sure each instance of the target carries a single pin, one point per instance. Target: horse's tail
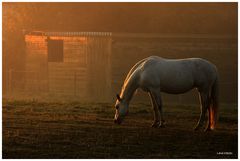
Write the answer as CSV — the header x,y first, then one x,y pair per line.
x,y
214,104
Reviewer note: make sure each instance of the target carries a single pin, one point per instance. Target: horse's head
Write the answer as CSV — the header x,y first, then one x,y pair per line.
x,y
121,110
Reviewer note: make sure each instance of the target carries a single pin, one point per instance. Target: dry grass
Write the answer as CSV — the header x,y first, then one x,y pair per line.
x,y
81,130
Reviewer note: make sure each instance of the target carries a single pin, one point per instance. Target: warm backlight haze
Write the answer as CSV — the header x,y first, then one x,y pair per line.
x,y
64,63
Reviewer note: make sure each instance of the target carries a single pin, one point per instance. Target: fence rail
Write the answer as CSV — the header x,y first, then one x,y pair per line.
x,y
20,84
72,86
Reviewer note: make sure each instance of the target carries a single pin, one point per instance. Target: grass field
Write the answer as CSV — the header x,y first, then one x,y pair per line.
x,y
83,130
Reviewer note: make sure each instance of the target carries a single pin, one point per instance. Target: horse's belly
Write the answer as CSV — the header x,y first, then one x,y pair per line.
x,y
176,88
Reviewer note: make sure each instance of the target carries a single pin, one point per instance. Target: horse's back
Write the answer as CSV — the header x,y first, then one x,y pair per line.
x,y
176,75
191,65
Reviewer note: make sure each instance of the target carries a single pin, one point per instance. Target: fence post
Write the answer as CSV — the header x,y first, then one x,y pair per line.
x,y
10,82
75,83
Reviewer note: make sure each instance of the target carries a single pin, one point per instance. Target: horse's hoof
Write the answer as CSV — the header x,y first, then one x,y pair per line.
x,y
208,129
196,128
161,126
155,124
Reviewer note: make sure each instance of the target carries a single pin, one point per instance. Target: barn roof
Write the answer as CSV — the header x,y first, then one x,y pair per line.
x,y
130,35
65,34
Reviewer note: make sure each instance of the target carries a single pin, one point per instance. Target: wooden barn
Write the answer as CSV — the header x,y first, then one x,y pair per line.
x,y
69,65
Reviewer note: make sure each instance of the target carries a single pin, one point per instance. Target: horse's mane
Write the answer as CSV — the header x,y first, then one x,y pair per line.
x,y
133,69
130,73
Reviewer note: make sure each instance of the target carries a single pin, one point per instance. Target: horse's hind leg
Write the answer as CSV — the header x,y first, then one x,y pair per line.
x,y
204,104
208,128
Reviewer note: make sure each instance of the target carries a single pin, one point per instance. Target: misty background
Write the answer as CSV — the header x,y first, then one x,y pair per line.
x,y
216,22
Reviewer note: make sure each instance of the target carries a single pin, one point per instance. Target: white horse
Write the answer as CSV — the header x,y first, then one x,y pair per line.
x,y
155,75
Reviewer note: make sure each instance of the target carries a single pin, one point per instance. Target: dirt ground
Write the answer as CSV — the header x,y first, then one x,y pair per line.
x,y
83,130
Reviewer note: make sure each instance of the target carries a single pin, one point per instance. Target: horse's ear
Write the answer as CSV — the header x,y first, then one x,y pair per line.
x,y
118,97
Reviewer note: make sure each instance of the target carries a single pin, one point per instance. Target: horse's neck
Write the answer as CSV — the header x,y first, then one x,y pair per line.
x,y
129,87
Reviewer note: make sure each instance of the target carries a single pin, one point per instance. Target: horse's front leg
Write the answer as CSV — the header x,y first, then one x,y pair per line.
x,y
158,106
156,121
159,103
